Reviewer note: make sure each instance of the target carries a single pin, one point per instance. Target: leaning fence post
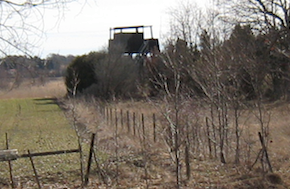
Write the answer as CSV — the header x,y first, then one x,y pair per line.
x,y
34,170
90,159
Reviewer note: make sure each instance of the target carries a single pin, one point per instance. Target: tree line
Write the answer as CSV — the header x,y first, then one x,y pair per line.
x,y
17,68
246,66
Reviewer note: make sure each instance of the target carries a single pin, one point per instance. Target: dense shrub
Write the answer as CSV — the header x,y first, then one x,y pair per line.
x,y
102,75
117,77
80,73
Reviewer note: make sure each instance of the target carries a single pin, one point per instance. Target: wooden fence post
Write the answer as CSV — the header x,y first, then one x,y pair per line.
x,y
34,170
187,160
107,115
116,147
143,126
208,137
90,160
111,116
134,123
9,163
121,117
154,127
128,121
116,119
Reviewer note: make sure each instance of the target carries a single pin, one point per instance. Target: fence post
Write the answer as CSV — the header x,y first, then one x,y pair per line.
x,y
143,126
116,119
107,115
90,160
208,137
154,127
111,116
9,163
121,117
34,170
128,121
134,123
187,161
117,147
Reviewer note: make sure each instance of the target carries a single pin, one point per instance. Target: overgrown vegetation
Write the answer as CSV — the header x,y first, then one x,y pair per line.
x,y
212,79
217,90
102,75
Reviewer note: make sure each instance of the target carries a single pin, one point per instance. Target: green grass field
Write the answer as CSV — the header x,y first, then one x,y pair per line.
x,y
38,125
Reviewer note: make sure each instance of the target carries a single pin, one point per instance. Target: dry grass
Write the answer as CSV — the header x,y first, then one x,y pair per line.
x,y
31,89
149,164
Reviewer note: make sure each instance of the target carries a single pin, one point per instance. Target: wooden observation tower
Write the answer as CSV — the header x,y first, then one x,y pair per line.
x,y
130,40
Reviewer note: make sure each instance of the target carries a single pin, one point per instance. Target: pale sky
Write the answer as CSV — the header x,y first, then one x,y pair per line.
x,y
85,27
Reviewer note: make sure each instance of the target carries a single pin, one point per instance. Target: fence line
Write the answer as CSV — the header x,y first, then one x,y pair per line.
x,y
137,124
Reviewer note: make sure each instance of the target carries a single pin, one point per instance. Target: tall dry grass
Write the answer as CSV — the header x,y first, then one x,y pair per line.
x,y
51,88
205,172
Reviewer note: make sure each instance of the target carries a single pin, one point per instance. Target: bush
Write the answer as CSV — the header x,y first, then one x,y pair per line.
x,y
80,73
102,75
117,77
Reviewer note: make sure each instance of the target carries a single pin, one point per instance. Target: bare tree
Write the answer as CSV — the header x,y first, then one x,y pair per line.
x,y
260,13
271,20
186,22
22,19
206,70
